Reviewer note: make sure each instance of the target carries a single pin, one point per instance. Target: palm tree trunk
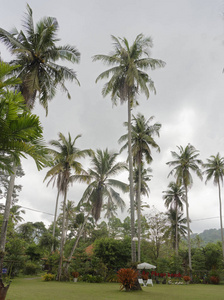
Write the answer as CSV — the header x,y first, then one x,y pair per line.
x,y
133,250
188,232
139,212
76,242
176,245
55,218
62,238
6,215
66,227
220,211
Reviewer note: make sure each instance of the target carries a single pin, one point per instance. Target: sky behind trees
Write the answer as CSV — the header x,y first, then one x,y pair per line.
x,y
189,36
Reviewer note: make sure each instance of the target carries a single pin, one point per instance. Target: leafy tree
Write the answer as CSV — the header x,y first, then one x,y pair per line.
x,y
198,260
174,198
113,253
128,78
213,255
15,254
215,169
184,163
66,157
157,227
114,226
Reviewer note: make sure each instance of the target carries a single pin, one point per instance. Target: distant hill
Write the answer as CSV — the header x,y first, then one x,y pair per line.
x,y
209,236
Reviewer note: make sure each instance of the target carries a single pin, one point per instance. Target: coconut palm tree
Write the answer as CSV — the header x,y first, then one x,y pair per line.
x,y
141,143
184,163
215,169
101,187
174,198
177,228
128,78
67,156
36,53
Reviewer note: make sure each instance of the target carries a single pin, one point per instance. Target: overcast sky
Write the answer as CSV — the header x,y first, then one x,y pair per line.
x,y
189,36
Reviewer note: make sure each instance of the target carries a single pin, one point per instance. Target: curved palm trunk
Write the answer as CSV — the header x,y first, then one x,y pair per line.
x,y
133,251
176,244
188,232
55,218
62,238
6,215
76,242
220,211
66,227
139,212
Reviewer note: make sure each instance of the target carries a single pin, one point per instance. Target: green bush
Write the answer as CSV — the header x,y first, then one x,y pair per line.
x,y
92,278
111,277
48,277
31,268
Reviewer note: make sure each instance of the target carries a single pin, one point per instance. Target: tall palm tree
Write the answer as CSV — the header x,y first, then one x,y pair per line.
x,y
174,198
215,169
141,143
36,53
177,228
128,78
183,163
67,157
101,187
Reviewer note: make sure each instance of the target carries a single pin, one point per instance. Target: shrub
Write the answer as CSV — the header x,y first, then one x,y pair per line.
x,y
48,277
214,279
111,277
31,268
127,278
75,274
186,278
92,278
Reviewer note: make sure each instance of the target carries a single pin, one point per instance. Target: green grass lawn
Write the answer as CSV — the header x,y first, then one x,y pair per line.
x,y
35,289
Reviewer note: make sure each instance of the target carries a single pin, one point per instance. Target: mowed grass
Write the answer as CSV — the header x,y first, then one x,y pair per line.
x,y
36,289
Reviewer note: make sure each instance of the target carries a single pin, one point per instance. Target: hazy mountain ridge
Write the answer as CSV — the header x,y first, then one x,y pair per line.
x,y
209,235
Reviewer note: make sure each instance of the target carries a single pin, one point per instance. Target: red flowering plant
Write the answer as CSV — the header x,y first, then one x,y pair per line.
x,y
186,278
75,274
127,278
145,275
